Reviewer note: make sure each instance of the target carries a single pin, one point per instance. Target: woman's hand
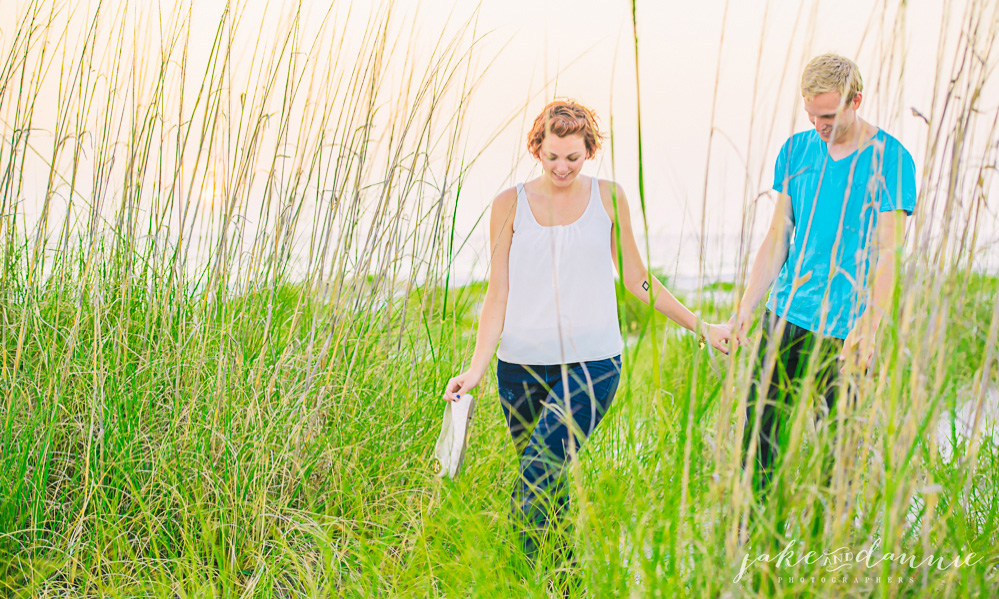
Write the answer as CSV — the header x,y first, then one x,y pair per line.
x,y
719,336
463,383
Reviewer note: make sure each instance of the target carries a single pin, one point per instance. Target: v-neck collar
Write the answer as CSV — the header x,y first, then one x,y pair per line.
x,y
857,151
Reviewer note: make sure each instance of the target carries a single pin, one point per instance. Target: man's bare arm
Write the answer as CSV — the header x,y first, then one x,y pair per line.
x,y
769,260
859,344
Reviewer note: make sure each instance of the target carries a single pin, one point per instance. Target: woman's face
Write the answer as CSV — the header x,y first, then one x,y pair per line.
x,y
562,158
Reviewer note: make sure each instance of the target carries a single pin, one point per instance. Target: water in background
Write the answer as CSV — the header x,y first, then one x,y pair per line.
x,y
677,257
727,257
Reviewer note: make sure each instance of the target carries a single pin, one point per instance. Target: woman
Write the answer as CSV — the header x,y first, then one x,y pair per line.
x,y
551,299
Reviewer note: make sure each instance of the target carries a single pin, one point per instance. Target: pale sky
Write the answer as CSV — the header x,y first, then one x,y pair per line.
x,y
679,55
585,50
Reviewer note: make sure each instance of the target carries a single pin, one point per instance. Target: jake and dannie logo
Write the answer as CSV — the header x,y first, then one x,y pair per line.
x,y
841,560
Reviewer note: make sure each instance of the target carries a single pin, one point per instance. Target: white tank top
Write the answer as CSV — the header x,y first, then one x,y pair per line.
x,y
561,306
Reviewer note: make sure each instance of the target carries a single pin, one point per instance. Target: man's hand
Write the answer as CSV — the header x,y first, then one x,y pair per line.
x,y
739,324
858,348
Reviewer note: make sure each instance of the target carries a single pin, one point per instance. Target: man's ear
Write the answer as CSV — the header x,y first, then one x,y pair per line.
x,y
855,103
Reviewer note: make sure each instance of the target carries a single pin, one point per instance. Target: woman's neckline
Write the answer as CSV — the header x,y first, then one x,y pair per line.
x,y
589,200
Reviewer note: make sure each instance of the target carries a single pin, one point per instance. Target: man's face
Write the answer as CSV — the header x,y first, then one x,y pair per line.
x,y
830,119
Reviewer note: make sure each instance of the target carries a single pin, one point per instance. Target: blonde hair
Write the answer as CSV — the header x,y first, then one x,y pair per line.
x,y
832,73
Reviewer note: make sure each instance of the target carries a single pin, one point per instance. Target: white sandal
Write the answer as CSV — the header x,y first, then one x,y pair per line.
x,y
450,450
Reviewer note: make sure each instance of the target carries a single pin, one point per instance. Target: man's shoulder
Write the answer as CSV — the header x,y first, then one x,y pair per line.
x,y
800,150
892,146
801,142
806,136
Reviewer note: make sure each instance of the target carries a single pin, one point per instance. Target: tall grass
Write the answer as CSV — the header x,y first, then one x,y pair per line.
x,y
228,314
890,489
218,286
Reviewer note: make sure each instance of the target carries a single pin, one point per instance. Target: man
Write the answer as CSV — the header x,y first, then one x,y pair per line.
x,y
844,189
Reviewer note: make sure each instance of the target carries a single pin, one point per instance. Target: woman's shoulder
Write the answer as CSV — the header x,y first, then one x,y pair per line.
x,y
612,197
506,198
504,206
609,190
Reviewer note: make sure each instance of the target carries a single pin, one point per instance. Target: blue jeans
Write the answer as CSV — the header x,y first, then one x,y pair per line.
x,y
533,398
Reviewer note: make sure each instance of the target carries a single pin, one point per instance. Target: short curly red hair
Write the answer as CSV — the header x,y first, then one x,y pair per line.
x,y
565,117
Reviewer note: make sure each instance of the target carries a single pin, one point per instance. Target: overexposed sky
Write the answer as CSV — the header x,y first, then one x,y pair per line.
x,y
757,47
738,60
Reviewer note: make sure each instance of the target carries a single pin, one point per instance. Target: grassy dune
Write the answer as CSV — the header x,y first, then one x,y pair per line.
x,y
191,408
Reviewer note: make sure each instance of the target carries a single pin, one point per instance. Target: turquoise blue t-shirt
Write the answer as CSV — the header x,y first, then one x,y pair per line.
x,y
835,207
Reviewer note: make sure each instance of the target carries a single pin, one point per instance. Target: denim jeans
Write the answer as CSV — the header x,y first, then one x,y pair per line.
x,y
534,400
795,348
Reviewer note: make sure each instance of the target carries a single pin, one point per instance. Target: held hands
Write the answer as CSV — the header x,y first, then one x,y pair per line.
x,y
463,383
858,348
718,335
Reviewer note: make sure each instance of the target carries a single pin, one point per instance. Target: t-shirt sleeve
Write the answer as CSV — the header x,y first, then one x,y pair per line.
x,y
900,180
780,168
